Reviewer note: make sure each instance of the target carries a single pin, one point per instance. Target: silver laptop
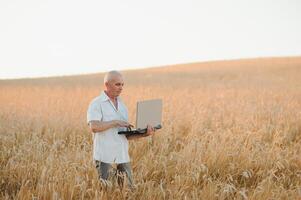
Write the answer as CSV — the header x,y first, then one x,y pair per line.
x,y
147,112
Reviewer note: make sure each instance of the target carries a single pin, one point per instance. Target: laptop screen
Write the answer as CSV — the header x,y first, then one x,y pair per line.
x,y
148,112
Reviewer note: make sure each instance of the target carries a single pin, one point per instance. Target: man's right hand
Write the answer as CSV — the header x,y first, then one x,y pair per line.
x,y
120,123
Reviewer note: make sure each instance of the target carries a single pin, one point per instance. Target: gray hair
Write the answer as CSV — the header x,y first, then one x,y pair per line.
x,y
110,75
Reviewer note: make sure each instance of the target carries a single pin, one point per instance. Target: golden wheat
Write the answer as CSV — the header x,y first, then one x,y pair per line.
x,y
232,130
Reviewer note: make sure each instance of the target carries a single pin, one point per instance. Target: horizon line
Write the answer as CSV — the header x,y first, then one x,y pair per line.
x,y
149,67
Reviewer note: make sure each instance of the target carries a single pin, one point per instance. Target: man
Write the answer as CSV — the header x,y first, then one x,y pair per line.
x,y
106,115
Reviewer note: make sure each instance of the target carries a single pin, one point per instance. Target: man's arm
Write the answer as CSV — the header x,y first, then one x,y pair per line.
x,y
132,137
150,131
99,126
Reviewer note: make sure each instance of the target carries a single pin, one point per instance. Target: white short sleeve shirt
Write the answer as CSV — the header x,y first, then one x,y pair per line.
x,y
108,145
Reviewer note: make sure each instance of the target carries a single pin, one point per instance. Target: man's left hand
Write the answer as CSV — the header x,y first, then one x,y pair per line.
x,y
150,130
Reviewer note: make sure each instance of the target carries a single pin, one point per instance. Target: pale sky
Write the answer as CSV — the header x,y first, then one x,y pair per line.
x,y
60,37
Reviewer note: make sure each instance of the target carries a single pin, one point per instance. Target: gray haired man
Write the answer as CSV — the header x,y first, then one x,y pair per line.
x,y
106,115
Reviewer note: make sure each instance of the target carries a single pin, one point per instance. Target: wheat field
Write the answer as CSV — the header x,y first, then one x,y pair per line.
x,y
231,130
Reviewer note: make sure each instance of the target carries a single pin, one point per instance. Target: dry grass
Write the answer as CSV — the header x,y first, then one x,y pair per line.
x,y
232,130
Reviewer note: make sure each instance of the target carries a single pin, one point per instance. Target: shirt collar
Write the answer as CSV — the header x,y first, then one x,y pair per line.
x,y
104,97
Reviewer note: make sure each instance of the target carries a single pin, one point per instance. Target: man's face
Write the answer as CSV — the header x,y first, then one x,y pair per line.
x,y
115,86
